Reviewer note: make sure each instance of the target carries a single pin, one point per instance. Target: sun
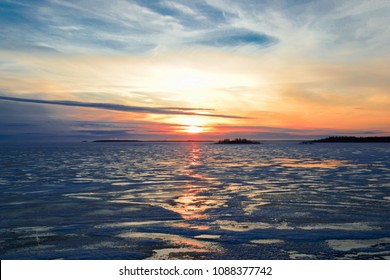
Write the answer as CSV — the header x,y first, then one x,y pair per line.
x,y
192,125
194,129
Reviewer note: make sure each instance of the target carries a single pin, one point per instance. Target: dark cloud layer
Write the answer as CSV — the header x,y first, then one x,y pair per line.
x,y
34,122
122,108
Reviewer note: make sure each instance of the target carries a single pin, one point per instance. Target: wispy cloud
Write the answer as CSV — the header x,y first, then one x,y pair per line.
x,y
123,26
124,108
136,26
182,8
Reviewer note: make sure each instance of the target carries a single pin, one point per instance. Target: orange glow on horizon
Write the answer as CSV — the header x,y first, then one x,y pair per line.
x,y
271,100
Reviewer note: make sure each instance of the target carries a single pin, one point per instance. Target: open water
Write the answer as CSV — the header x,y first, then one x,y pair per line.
x,y
194,201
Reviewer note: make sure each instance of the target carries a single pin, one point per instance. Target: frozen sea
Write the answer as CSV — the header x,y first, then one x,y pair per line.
x,y
194,201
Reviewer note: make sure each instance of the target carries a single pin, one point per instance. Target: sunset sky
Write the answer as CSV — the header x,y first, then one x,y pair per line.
x,y
201,69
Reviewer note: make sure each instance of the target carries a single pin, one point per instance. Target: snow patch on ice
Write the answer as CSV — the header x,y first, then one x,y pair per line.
x,y
350,244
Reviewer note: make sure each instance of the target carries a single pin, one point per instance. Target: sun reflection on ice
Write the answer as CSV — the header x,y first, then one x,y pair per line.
x,y
193,202
192,205
194,155
311,163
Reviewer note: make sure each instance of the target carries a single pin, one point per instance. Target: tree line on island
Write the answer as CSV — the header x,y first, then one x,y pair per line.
x,y
350,139
237,141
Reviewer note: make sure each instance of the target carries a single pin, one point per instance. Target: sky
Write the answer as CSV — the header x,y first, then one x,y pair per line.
x,y
200,69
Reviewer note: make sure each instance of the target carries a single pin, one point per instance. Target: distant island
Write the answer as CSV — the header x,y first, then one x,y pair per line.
x,y
350,139
237,141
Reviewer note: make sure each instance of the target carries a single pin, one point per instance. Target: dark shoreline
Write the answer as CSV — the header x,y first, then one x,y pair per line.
x,y
350,139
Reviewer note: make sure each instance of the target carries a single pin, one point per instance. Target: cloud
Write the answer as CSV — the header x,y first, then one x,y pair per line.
x,y
18,120
122,108
237,37
181,8
332,29
119,26
34,122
